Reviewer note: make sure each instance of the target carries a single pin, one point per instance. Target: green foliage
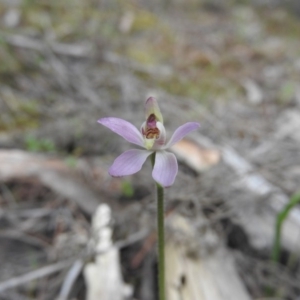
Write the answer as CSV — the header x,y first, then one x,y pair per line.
x,y
282,215
9,63
144,20
71,161
39,145
142,55
127,189
20,113
286,92
274,24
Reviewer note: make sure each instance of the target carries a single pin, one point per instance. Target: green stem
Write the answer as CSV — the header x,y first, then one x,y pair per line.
x,y
161,241
161,237
282,215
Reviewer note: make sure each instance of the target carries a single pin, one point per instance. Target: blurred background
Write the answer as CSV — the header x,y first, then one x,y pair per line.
x,y
233,66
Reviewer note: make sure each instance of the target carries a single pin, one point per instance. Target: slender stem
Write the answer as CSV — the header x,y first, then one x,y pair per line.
x,y
282,215
161,237
161,241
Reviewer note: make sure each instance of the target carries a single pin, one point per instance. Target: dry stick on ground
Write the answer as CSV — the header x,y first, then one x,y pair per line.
x,y
260,221
75,50
199,267
70,279
103,276
42,272
12,295
257,214
53,173
24,237
83,51
48,270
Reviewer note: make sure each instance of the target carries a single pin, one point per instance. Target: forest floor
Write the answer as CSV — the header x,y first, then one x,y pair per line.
x,y
234,67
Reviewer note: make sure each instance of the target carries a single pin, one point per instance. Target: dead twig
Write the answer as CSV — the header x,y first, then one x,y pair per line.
x,y
53,173
75,50
48,270
82,51
24,237
71,277
37,274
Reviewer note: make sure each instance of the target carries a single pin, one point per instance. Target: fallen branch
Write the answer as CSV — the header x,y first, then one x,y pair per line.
x,y
48,270
75,50
257,214
83,51
53,173
103,276
37,274
70,279
259,222
200,267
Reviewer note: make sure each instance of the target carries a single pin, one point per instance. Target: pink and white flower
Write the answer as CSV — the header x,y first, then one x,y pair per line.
x,y
151,137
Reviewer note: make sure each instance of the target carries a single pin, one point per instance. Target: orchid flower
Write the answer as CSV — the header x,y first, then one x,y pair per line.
x,y
151,137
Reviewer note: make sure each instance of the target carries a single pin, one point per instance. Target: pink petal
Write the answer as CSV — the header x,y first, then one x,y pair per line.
x,y
128,163
181,132
123,128
165,168
161,141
